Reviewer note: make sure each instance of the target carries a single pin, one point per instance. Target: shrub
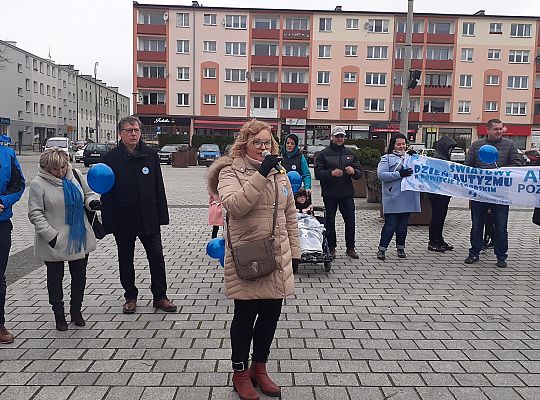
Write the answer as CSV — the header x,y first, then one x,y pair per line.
x,y
368,156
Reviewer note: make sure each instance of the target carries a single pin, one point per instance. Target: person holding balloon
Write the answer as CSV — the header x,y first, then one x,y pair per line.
x,y
493,151
62,231
294,160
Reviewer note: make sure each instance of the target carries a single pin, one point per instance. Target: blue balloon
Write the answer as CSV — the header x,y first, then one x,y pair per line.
x,y
100,178
295,179
488,154
216,248
222,260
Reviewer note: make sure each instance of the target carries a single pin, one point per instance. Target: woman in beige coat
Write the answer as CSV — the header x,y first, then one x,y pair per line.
x,y
245,182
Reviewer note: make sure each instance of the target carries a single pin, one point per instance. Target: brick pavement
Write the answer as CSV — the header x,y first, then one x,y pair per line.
x,y
428,327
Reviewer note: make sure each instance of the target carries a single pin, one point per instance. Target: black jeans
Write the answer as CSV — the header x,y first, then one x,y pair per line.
x,y
215,230
244,329
154,253
439,209
346,208
55,276
5,246
479,212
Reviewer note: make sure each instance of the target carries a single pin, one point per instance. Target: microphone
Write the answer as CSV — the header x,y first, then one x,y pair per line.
x,y
279,168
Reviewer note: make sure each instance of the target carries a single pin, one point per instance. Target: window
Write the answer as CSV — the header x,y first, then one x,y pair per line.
x,y
28,106
495,28
492,80
351,23
518,82
520,30
323,77
148,45
41,88
516,108
48,90
293,103
20,91
518,56
464,107
210,19
294,76
27,84
374,105
264,102
41,66
377,52
297,24
467,54
19,68
36,105
235,101
182,20
182,99
468,29
325,24
438,53
375,78
264,76
54,111
266,23
209,73
322,104
349,77
378,25
235,22
440,28
349,103
156,98
465,81
235,48
351,50
151,18
151,71
491,106
401,27
182,74
435,106
294,50
27,61
209,45
494,54
182,46
42,109
324,51
415,55
235,75
35,65
265,49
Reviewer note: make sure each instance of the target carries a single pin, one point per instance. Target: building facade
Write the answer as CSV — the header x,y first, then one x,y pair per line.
x,y
206,70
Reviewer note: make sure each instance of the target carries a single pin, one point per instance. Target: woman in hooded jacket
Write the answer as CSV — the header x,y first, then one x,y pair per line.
x,y
294,160
62,232
246,183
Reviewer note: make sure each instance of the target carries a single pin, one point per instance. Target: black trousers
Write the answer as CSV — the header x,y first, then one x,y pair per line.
x,y
346,208
215,230
244,329
439,210
55,276
154,253
5,246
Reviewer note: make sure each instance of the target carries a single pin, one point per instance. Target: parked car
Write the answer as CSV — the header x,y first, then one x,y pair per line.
x,y
166,152
207,153
94,152
524,159
61,142
533,155
79,155
312,151
79,144
457,155
227,149
427,152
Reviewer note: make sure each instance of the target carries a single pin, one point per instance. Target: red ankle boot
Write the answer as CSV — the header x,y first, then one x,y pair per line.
x,y
260,378
243,385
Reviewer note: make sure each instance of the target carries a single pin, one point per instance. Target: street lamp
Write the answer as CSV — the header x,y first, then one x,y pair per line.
x,y
96,64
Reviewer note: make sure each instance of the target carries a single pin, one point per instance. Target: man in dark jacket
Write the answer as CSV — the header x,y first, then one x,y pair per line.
x,y
508,157
11,190
136,207
335,167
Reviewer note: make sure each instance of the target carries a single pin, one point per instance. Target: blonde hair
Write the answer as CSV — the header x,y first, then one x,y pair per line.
x,y
53,158
247,131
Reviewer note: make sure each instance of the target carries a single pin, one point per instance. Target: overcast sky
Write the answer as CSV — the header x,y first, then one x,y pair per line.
x,y
82,32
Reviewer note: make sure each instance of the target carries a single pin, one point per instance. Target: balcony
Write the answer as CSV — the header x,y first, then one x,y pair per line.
x,y
397,89
400,64
536,119
258,33
440,64
436,117
152,109
263,113
537,67
151,82
291,34
537,93
433,90
265,60
152,56
147,29
293,114
290,61
294,87
440,38
416,37
413,116
264,86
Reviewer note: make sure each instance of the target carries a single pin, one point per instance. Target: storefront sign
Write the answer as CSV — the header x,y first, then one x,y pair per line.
x,y
5,121
391,127
295,121
160,120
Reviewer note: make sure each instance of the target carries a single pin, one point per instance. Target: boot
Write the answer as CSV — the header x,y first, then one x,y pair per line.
x,y
77,318
61,324
243,385
261,378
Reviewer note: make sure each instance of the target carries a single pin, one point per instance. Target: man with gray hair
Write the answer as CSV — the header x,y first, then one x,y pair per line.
x,y
136,207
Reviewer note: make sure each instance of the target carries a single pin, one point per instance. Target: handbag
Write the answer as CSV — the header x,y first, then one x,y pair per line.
x,y
536,216
95,223
255,259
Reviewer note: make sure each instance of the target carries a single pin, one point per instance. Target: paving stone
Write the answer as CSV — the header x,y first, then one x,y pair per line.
x,y
54,393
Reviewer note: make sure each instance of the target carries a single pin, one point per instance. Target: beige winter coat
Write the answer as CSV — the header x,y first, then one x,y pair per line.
x,y
46,211
248,198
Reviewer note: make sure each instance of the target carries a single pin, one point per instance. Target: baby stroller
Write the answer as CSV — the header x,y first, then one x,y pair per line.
x,y
313,242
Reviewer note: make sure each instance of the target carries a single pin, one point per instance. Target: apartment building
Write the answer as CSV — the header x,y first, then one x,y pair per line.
x,y
206,70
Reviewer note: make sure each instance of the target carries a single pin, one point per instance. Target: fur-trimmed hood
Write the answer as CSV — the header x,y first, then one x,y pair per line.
x,y
213,172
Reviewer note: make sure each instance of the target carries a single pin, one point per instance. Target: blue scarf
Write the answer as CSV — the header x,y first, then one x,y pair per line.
x,y
74,217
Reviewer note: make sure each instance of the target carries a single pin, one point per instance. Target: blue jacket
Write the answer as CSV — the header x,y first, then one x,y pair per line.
x,y
393,199
11,181
294,160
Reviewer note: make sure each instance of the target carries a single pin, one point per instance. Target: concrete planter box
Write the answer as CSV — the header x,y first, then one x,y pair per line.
x,y
360,186
192,158
421,218
180,159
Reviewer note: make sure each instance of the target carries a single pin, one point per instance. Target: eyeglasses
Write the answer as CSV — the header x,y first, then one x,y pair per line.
x,y
131,130
258,144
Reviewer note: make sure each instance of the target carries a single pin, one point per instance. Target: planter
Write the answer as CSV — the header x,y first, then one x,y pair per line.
x,y
374,188
360,187
180,159
192,158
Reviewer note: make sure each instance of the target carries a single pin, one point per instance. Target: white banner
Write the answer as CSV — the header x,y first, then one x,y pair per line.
x,y
518,186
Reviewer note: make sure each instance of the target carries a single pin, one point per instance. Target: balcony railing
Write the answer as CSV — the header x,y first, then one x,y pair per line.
x,y
440,38
291,61
293,113
397,89
537,93
291,34
536,119
265,60
440,64
264,86
154,109
415,64
151,82
258,33
436,117
294,87
416,37
413,116
147,29
151,56
436,90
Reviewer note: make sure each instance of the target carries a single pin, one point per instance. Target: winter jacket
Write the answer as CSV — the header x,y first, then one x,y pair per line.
x,y
11,181
508,154
445,145
46,211
137,204
331,158
393,199
249,199
295,161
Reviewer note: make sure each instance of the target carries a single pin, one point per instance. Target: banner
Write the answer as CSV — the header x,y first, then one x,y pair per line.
x,y
519,186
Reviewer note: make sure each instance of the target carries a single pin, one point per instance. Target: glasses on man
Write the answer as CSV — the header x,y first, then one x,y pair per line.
x,y
131,130
258,144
